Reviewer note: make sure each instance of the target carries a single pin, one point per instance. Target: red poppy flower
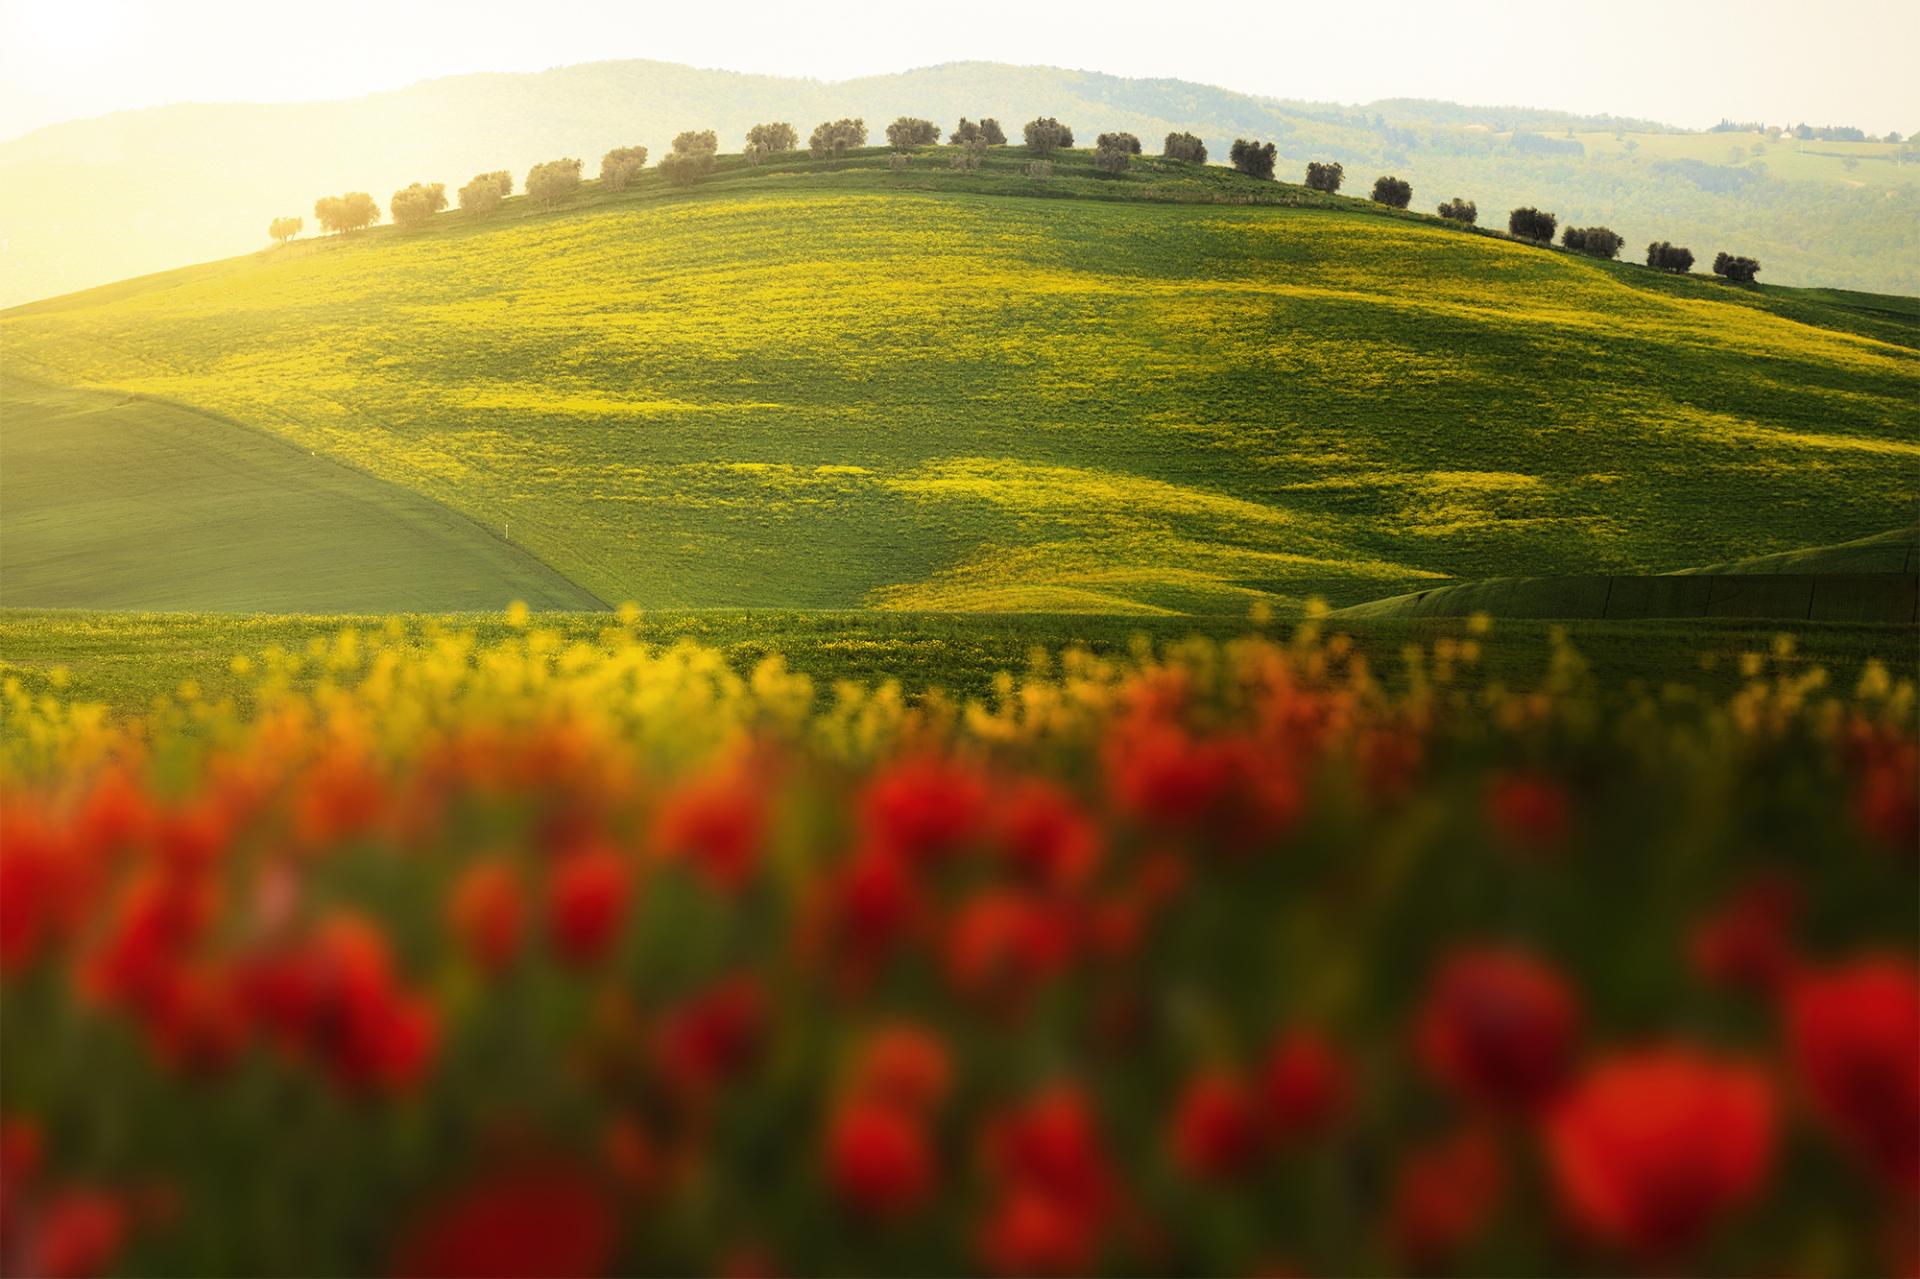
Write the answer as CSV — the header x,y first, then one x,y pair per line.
x,y
587,903
1052,1142
714,1036
924,807
872,903
905,1065
1854,1035
1218,1131
115,813
488,913
1444,1196
1031,1232
1162,775
1498,1027
44,883
1748,943
371,1035
1047,837
1306,1085
717,824
1651,1148
879,1160
1006,941
1887,790
541,1221
1053,1187
1530,810
77,1234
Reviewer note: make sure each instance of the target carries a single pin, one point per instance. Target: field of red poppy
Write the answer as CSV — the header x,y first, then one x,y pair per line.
x,y
541,956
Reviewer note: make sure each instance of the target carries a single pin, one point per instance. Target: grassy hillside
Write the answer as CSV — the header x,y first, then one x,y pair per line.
x,y
1869,579
209,177
1894,551
109,501
838,386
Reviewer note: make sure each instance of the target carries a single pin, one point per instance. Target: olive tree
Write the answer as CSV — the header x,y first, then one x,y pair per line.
x,y
691,158
1458,210
772,139
343,213
1663,255
1255,159
907,132
284,229
837,137
552,181
1594,241
1186,148
412,206
1325,176
1046,135
482,195
1112,152
1530,223
620,166
1395,193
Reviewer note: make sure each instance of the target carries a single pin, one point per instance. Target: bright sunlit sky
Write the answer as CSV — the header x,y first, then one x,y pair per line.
x,y
1839,62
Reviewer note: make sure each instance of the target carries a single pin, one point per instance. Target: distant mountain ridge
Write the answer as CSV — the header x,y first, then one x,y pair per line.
x,y
198,181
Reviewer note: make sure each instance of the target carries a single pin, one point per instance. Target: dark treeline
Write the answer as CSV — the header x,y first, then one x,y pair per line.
x,y
694,155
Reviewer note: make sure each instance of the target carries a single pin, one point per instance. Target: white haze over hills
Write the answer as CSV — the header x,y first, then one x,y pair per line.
x,y
92,201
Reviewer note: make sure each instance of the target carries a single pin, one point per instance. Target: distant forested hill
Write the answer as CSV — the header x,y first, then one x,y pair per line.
x,y
97,200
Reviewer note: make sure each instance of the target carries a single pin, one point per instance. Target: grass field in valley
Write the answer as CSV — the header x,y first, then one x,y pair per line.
x,y
828,389
126,661
117,502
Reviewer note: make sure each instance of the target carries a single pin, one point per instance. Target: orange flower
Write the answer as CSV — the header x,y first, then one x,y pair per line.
x,y
905,1065
487,912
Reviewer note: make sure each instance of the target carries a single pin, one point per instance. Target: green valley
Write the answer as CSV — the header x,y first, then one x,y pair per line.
x,y
116,501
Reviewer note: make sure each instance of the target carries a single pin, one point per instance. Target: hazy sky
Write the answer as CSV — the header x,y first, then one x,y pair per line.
x,y
1687,62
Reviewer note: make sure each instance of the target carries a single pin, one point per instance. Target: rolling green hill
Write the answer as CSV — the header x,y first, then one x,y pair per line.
x,y
836,385
1869,579
208,177
112,501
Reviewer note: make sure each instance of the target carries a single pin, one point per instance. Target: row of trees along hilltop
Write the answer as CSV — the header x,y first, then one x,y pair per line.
x,y
694,152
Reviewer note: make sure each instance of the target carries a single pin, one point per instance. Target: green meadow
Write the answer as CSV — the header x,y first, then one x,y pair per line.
x,y
119,502
840,386
126,660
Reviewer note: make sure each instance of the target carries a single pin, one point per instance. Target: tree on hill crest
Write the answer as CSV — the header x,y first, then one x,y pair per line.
x,y
1252,158
553,180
